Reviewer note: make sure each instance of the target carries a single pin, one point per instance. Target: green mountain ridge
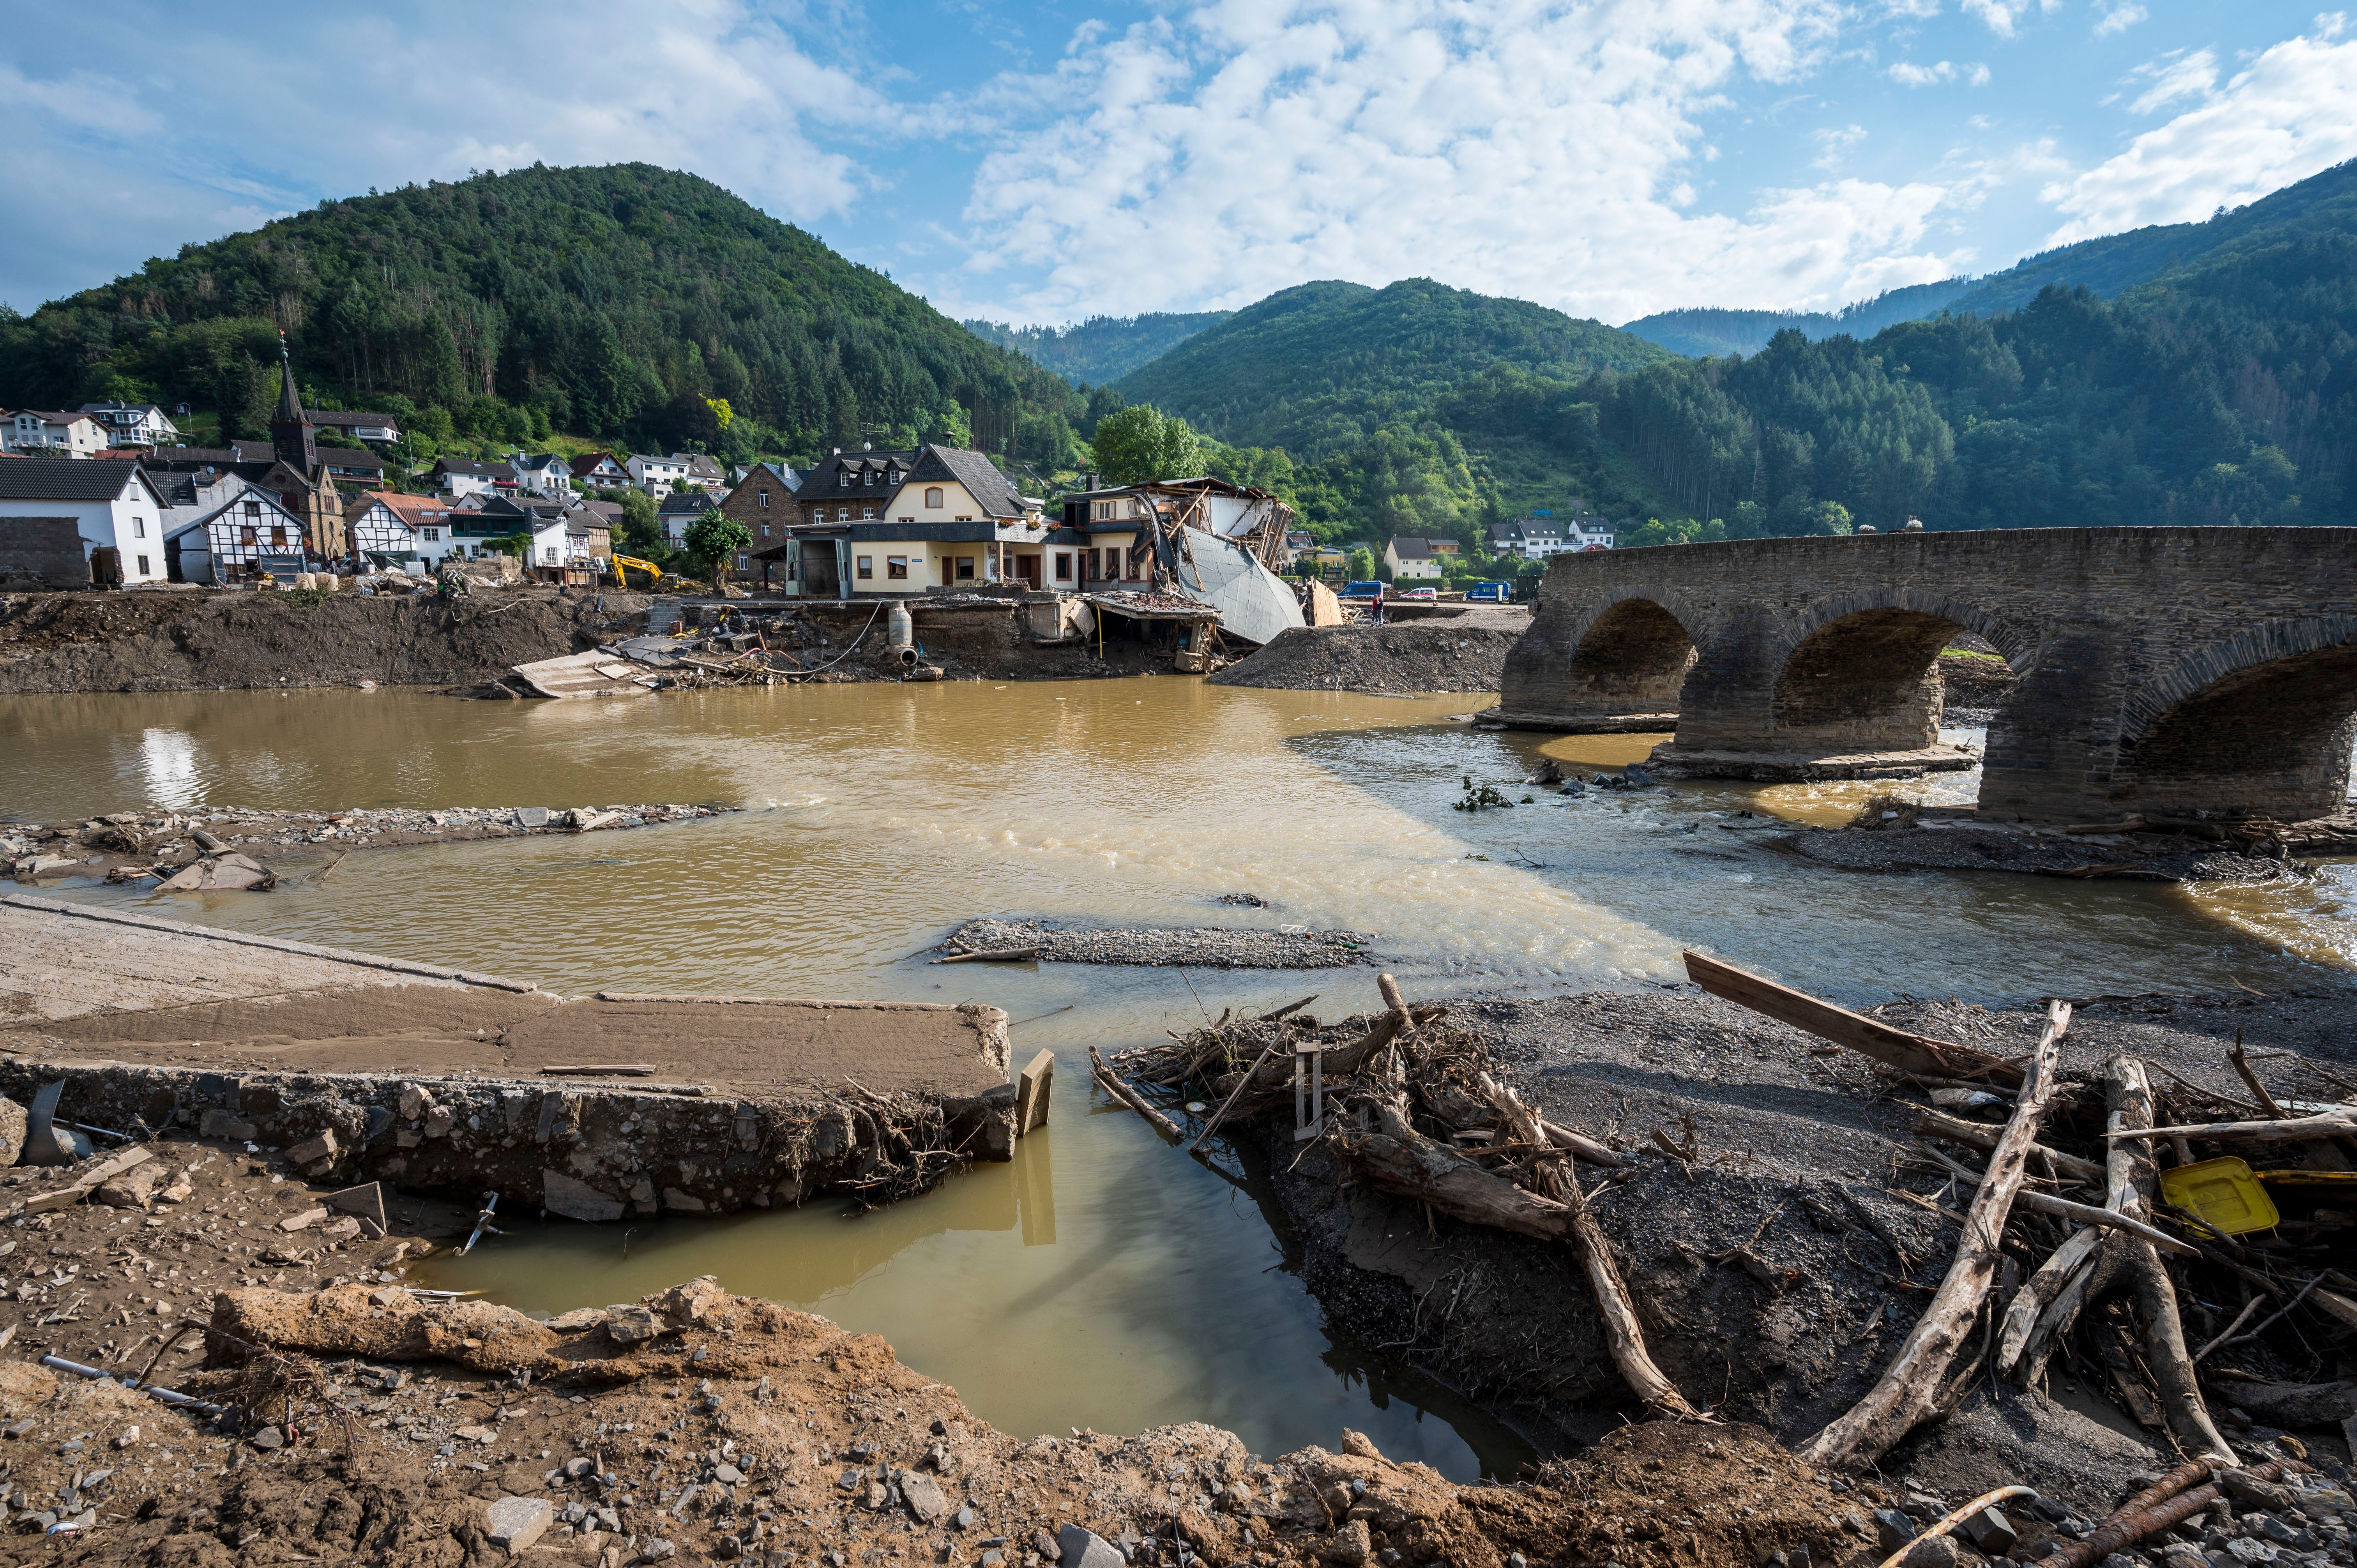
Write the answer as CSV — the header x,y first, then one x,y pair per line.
x,y
1706,332
1101,349
622,302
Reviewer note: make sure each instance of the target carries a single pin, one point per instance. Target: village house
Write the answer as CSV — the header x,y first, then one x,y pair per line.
x,y
392,526
905,522
465,476
113,505
1539,536
133,423
600,471
763,501
703,471
541,474
54,433
678,512
656,476
250,536
360,426
1411,560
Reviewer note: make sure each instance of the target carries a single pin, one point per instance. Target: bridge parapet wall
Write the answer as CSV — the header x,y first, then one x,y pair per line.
x,y
1800,647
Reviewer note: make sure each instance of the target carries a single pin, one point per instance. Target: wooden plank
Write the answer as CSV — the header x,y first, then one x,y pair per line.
x,y
1868,1036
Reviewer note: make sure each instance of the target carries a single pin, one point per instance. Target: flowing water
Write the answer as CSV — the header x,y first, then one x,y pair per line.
x,y
1099,1280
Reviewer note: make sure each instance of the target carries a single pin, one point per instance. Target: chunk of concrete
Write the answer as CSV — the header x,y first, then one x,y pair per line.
x,y
303,1220
220,1123
517,1523
12,1131
1935,1552
320,1150
133,1188
531,816
576,1199
367,1201
1031,1094
1991,1531
1082,1547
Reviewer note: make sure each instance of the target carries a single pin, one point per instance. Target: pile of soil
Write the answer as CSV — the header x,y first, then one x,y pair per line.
x,y
692,1426
1192,947
197,640
1466,653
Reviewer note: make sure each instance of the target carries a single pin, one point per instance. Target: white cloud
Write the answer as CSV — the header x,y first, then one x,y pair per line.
x,y
2281,119
1908,74
2004,16
1978,76
221,124
1834,141
2173,76
1220,153
2119,18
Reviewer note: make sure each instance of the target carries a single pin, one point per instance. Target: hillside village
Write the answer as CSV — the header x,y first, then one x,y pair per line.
x,y
147,509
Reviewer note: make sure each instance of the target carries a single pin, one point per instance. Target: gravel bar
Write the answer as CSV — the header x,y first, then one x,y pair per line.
x,y
1192,947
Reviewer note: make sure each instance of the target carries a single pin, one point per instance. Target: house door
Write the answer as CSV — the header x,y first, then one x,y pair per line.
x,y
1027,567
819,581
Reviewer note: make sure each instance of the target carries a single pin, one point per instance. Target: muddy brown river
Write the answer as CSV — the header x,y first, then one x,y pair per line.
x,y
1099,1280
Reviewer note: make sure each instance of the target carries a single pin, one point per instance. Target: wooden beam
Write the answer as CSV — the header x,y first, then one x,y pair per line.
x,y
1868,1036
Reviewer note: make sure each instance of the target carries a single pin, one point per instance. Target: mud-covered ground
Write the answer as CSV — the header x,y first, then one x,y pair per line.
x,y
1460,653
195,639
1776,1237
693,1426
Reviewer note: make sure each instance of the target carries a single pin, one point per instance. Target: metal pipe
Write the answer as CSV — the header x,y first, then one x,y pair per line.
x,y
169,1396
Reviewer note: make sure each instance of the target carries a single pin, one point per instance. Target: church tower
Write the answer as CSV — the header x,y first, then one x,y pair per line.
x,y
291,433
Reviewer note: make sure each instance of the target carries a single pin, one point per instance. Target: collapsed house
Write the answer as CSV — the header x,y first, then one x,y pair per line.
x,y
1204,540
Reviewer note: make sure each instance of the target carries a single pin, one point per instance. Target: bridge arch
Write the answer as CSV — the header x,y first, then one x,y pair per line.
x,y
1860,671
2256,725
1630,659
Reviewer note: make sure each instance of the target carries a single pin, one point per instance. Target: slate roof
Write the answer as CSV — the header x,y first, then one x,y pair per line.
x,y
992,491
67,479
683,503
468,466
1410,549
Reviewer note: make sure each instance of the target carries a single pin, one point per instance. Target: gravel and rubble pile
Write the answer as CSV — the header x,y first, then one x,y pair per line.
x,y
2149,858
1193,947
124,842
1399,659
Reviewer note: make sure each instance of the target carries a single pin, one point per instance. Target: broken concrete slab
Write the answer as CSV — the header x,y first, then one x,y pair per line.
x,y
576,1199
320,1151
1031,1094
366,1201
303,1220
517,1523
229,1125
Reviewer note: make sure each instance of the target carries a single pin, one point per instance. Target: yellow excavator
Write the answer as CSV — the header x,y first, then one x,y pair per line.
x,y
653,571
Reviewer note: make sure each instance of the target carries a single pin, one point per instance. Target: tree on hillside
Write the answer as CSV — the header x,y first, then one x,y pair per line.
x,y
1137,446
642,529
1362,568
715,537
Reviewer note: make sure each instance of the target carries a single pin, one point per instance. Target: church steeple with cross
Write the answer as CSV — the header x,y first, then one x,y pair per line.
x,y
292,435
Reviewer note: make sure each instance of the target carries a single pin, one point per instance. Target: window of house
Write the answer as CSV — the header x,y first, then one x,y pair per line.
x,y
867,565
842,514
245,536
933,496
1063,565
765,530
434,535
1137,507
143,566
907,519
765,497
743,561
253,509
896,565
277,534
1138,556
965,568
1104,510
138,528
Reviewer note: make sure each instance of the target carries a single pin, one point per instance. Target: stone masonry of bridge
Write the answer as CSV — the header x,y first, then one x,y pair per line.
x,y
2162,672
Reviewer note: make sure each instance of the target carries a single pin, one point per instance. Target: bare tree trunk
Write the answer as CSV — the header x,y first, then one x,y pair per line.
x,y
2134,1177
1909,1389
1622,1332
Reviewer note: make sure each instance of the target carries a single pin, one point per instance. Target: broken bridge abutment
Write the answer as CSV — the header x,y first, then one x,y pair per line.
x,y
2160,671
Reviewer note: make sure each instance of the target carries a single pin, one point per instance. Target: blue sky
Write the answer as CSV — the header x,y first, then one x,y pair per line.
x,y
1044,162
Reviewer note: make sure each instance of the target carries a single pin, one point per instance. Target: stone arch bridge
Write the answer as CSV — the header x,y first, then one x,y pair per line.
x,y
2160,671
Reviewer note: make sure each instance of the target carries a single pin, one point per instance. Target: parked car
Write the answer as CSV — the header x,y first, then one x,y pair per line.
x,y
1490,593
1416,595
1360,590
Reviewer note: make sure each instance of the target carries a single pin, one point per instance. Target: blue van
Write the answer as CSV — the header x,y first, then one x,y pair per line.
x,y
1490,593
1360,590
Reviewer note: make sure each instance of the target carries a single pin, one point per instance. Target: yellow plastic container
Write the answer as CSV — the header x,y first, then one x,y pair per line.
x,y
2222,1194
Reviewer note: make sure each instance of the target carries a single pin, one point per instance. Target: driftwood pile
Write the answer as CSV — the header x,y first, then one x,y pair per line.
x,y
2061,1253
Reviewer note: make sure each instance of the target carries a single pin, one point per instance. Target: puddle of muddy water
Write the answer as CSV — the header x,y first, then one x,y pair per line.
x,y
1101,1280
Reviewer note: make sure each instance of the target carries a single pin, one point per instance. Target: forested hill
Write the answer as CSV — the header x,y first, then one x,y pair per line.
x,y
1102,347
2223,390
1320,368
620,302
1707,332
